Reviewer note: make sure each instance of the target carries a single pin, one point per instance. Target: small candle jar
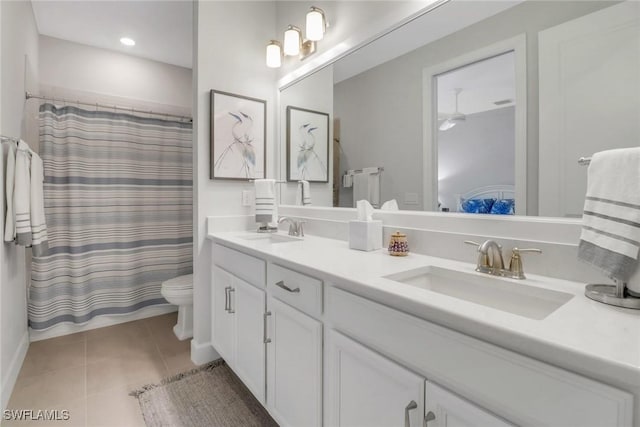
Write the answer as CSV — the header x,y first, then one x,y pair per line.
x,y
398,245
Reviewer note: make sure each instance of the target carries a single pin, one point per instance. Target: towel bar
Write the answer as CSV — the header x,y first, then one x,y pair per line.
x,y
584,161
616,295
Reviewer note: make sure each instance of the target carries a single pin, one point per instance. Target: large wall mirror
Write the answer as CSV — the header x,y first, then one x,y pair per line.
x,y
488,115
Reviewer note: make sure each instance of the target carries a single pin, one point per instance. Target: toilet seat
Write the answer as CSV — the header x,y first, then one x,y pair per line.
x,y
179,283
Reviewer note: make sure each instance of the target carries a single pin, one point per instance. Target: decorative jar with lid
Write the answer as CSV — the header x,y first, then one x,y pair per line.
x,y
398,245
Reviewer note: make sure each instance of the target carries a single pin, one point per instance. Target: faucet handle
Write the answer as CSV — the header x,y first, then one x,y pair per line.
x,y
301,228
515,265
471,242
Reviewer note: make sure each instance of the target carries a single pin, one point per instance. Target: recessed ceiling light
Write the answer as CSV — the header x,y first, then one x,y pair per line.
x,y
127,41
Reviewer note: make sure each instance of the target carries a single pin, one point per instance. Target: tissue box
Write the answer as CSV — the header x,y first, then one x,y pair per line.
x,y
365,235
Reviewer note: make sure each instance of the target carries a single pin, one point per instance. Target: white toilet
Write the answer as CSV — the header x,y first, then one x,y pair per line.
x,y
179,291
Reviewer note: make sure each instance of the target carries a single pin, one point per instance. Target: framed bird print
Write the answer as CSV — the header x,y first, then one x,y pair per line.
x,y
238,136
307,145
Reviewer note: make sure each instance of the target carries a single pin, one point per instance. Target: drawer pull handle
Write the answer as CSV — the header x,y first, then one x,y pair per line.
x,y
412,405
429,417
264,330
281,284
226,298
231,310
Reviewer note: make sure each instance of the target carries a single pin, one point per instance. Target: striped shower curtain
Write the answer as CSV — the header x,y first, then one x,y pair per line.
x,y
118,205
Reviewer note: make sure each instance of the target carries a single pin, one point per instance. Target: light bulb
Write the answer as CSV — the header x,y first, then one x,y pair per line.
x,y
315,24
292,41
127,41
274,54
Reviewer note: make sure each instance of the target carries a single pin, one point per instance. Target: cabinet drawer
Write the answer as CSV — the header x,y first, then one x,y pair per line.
x,y
246,267
296,289
520,389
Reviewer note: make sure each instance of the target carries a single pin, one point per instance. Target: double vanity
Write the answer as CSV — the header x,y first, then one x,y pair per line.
x,y
327,336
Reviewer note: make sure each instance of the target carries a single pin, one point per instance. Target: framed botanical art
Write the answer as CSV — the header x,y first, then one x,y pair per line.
x,y
238,136
307,145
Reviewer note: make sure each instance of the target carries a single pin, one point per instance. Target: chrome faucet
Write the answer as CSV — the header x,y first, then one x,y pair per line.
x,y
295,226
494,265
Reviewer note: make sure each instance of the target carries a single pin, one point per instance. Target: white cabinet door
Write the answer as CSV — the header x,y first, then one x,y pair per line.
x,y
366,389
445,409
248,305
222,330
294,360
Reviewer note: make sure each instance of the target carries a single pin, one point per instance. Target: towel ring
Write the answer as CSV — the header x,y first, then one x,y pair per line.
x,y
616,295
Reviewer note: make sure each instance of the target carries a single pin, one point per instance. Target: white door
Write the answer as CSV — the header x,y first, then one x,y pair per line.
x,y
589,99
222,330
248,305
366,389
445,409
294,360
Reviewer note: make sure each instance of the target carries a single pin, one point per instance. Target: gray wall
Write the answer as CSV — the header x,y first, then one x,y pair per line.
x,y
380,110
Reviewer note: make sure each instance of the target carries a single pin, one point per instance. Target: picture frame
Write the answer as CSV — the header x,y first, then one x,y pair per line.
x,y
307,145
238,137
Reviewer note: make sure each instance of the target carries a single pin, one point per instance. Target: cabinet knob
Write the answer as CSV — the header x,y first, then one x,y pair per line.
x,y
407,420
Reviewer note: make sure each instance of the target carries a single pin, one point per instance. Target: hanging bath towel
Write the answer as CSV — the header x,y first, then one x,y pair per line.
x,y
22,195
610,238
10,219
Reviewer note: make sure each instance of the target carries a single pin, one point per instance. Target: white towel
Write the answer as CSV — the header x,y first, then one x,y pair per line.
x,y
390,205
303,195
366,186
347,179
610,238
265,200
39,238
10,220
22,195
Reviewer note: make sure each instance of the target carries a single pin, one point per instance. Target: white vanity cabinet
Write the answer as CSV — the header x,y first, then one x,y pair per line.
x,y
294,350
238,317
270,334
315,355
368,390
294,366
445,409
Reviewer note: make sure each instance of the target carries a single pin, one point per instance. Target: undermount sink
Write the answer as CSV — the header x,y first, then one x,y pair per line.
x,y
270,238
495,292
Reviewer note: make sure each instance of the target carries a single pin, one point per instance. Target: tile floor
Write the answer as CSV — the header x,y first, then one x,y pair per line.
x,y
91,373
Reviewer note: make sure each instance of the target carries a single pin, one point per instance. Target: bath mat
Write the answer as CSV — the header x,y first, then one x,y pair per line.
x,y
208,396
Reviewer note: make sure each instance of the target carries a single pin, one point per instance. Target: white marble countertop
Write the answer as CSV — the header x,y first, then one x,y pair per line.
x,y
585,336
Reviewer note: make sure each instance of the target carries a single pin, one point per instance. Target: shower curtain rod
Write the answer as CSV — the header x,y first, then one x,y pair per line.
x,y
29,95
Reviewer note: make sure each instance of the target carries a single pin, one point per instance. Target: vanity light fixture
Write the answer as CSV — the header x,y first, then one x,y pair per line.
x,y
127,41
292,41
274,54
316,24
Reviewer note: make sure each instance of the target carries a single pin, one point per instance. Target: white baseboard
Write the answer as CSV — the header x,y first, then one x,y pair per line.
x,y
100,322
203,352
10,377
